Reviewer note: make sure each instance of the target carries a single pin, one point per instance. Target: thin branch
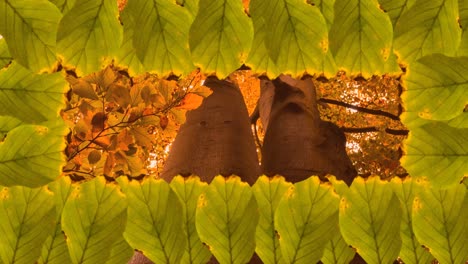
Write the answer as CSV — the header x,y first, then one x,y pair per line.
x,y
359,108
396,132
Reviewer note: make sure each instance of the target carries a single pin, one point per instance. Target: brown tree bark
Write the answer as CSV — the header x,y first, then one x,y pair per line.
x,y
297,143
215,139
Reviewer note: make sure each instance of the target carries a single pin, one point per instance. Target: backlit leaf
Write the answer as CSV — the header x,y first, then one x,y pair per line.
x,y
121,252
297,36
259,59
439,222
30,97
226,218
162,40
5,56
7,123
436,87
463,20
126,55
93,218
411,251
220,37
29,27
306,219
89,35
396,8
31,156
188,190
437,152
155,220
55,248
268,193
26,219
337,251
63,5
370,217
360,37
427,27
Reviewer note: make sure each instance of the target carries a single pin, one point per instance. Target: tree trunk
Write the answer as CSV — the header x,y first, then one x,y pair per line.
x,y
297,143
215,139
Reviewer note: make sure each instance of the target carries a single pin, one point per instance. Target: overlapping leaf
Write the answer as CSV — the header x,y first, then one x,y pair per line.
x,y
5,56
93,218
191,5
436,87
337,251
396,8
411,251
26,219
226,218
427,27
463,20
30,97
121,252
370,217
127,55
361,37
306,219
220,36
188,190
7,123
89,34
259,59
63,5
30,28
161,43
155,220
55,248
439,222
438,152
268,193
297,36
460,121
31,155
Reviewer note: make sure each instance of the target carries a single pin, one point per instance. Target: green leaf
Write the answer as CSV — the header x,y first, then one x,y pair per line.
x,y
370,217
440,222
297,36
7,123
93,218
162,40
395,8
31,156
411,251
337,251
155,220
29,28
427,27
126,57
268,193
188,190
259,59
436,87
55,248
220,37
437,152
26,219
361,37
89,35
460,121
463,20
226,218
326,7
5,56
31,97
63,5
121,252
191,5
306,219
